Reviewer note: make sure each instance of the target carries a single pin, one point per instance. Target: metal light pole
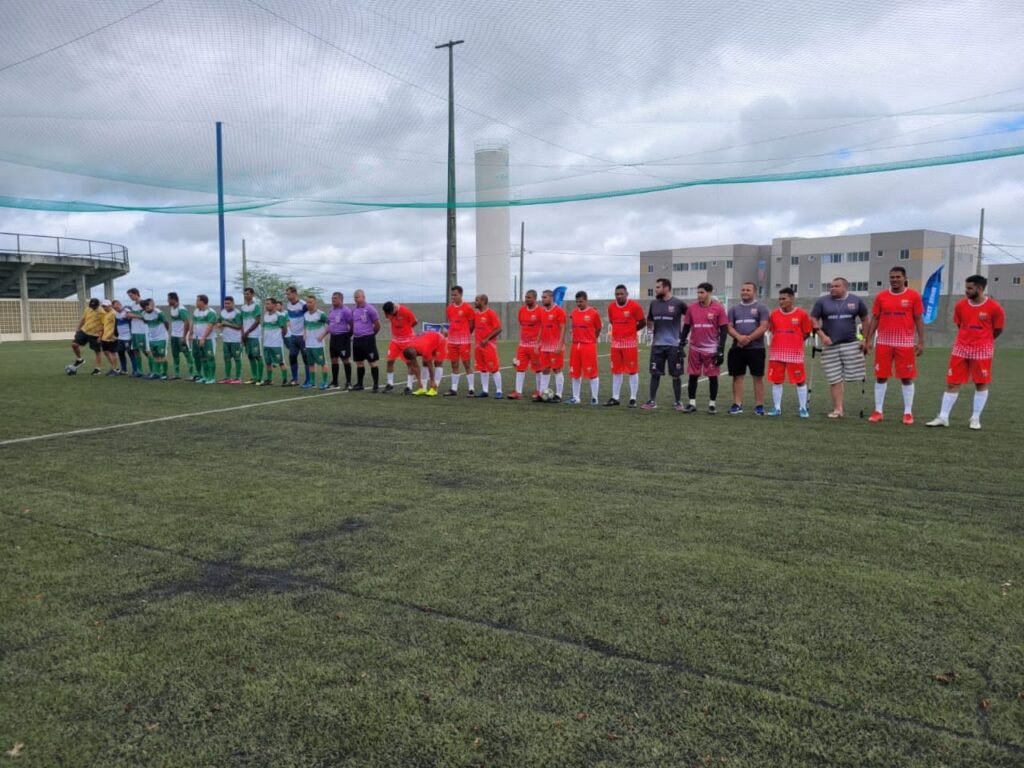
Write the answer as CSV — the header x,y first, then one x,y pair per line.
x,y
452,269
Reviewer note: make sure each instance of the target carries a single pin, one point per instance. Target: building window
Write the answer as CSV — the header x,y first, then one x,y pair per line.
x,y
650,292
714,263
697,265
679,267
825,287
859,286
1016,280
728,263
904,254
650,268
878,283
832,258
793,287
857,256
794,260
881,254
811,257
778,259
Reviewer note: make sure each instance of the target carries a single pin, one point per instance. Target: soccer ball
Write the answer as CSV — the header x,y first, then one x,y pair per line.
x,y
70,370
547,395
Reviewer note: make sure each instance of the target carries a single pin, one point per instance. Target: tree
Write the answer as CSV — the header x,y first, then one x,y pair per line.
x,y
267,284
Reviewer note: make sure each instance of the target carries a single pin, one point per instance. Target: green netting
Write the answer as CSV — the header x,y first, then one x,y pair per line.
x,y
339,107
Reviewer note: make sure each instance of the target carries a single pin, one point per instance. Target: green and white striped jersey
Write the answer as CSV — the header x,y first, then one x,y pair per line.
x,y
315,322
155,325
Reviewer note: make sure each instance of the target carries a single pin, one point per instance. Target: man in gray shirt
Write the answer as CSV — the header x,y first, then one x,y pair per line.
x,y
748,322
665,320
835,318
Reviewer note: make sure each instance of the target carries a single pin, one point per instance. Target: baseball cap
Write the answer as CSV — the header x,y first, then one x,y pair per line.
x,y
106,303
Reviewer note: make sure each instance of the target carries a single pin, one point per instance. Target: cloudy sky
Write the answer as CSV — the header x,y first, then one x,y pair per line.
x,y
340,108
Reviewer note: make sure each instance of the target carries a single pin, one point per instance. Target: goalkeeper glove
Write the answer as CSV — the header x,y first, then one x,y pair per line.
x,y
719,358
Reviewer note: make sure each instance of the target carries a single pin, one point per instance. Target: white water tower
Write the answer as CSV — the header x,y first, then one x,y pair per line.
x,y
492,224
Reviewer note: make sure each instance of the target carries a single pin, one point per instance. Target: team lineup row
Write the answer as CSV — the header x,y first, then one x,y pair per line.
x,y
140,333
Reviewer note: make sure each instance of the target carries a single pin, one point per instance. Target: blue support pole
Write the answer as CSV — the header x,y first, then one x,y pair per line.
x,y
220,214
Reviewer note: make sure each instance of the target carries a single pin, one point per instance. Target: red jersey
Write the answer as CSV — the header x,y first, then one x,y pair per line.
x,y
486,322
623,321
975,339
529,325
429,345
402,323
895,313
586,325
788,329
552,328
460,323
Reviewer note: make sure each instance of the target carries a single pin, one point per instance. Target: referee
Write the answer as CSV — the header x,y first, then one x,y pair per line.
x,y
835,318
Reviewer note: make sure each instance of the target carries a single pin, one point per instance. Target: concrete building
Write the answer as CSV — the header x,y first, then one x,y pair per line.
x,y
493,270
1006,281
808,264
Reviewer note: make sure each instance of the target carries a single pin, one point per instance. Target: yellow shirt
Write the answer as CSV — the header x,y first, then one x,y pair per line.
x,y
109,325
92,321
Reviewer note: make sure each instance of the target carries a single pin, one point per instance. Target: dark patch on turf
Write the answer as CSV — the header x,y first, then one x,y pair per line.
x,y
345,527
451,479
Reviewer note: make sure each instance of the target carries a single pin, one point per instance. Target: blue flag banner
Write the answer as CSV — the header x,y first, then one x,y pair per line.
x,y
439,327
559,295
930,297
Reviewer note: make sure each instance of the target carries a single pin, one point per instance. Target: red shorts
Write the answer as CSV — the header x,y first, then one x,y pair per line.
x,y
625,360
583,361
458,352
961,370
395,350
701,364
779,371
552,361
900,362
527,359
486,358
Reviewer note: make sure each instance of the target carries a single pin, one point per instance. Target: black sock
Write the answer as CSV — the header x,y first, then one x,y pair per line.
x,y
334,374
691,387
677,388
360,375
655,381
713,387
348,373
376,377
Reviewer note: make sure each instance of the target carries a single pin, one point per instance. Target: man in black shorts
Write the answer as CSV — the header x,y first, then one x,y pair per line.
x,y
665,321
748,322
365,326
88,333
339,325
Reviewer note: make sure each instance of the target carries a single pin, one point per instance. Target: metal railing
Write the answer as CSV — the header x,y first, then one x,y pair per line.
x,y
49,245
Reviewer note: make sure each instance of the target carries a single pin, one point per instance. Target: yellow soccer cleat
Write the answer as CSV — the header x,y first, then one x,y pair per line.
x,y
431,392
420,391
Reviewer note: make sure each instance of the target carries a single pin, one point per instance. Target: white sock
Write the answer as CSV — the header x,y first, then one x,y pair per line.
x,y
410,381
616,385
484,381
880,395
496,377
980,398
948,401
801,395
438,376
559,383
391,378
455,381
777,396
908,398
576,386
543,380
634,386
520,380
595,387
470,380
693,402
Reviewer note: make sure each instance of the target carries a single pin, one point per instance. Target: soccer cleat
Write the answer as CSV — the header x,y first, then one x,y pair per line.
x,y
678,407
498,395
305,385
773,412
612,402
79,362
759,410
975,423
250,381
210,381
712,409
175,377
536,397
735,409
324,386
407,391
556,399
908,419
420,392
163,377
632,403
431,392
480,394
571,401
358,388
471,393
375,391
259,383
804,413
112,372
938,421
593,401
333,386
388,387
96,372
650,405
450,393
514,396
875,417
689,408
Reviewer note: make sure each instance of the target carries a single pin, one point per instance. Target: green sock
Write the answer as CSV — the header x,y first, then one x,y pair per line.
x,y
323,377
284,375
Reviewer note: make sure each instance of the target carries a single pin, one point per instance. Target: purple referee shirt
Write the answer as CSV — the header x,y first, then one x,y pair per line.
x,y
363,319
339,320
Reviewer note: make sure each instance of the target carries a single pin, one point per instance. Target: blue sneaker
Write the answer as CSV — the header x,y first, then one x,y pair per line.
x,y
735,409
307,385
481,394
773,412
570,401
324,385
593,401
759,410
498,396
804,413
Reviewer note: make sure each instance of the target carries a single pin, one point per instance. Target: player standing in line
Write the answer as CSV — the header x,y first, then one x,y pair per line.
x,y
665,320
403,331
979,320
432,347
251,334
339,324
528,352
748,322
365,327
315,328
124,337
896,314
139,333
273,322
231,335
586,327
204,323
295,338
108,341
180,324
552,345
835,319
790,326
156,325
625,317
486,329
460,336
706,323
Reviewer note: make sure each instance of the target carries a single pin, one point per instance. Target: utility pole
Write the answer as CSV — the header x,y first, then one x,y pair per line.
x,y
981,239
245,267
452,269
220,213
522,238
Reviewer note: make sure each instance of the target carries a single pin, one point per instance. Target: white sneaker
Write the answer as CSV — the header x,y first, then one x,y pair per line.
x,y
938,421
975,423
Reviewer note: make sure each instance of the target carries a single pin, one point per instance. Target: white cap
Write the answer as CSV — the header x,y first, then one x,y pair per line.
x,y
106,303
